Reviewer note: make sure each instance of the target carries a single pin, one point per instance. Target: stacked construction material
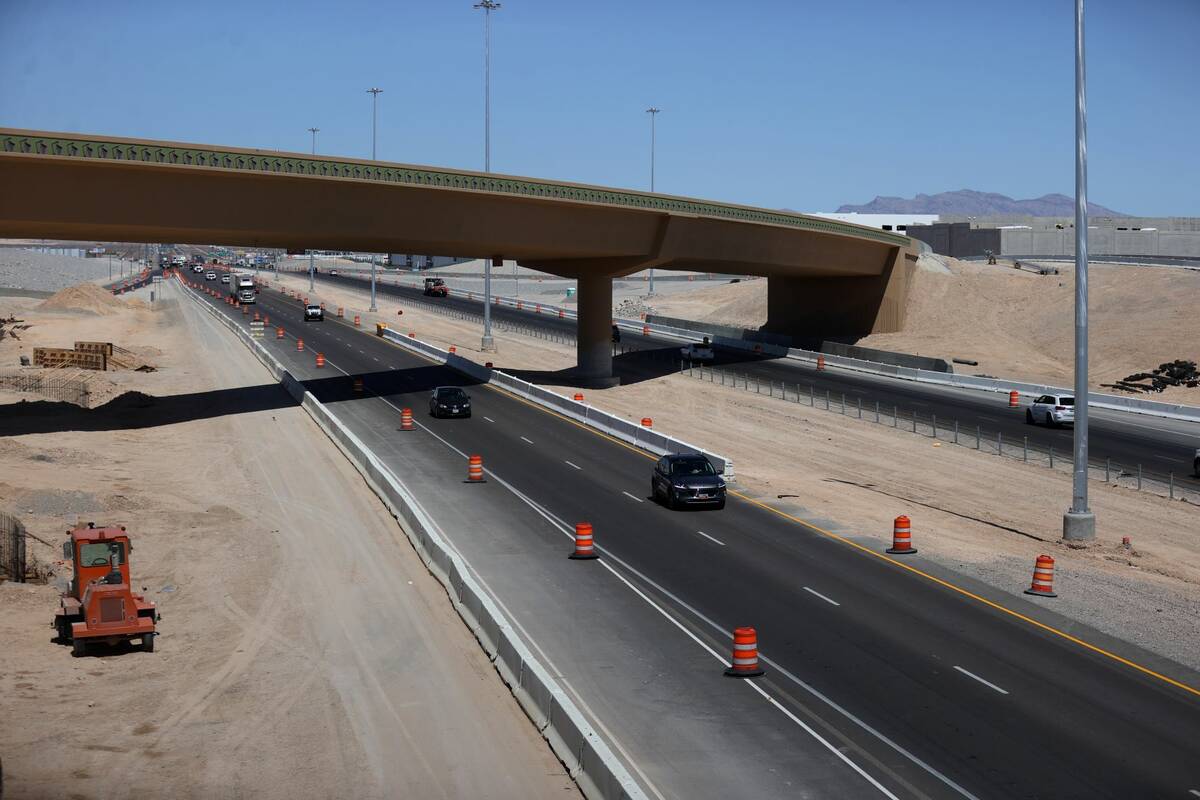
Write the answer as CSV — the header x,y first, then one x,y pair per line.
x,y
1172,373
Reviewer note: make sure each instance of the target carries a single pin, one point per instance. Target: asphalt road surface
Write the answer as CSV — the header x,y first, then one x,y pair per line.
x,y
882,680
1163,447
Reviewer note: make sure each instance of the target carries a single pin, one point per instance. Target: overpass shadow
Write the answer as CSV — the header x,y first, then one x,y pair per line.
x,y
136,410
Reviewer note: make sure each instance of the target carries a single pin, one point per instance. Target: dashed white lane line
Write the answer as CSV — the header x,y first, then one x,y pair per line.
x,y
527,440
1194,791
829,600
373,357
569,464
489,419
631,497
989,684
711,538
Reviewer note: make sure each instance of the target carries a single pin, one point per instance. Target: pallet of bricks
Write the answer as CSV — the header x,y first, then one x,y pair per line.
x,y
86,355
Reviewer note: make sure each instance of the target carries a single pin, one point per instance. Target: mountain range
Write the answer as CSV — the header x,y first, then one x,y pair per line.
x,y
969,202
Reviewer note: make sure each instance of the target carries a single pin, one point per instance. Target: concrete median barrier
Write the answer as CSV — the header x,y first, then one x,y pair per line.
x,y
591,763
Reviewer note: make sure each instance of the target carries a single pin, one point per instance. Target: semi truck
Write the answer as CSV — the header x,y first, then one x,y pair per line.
x,y
241,287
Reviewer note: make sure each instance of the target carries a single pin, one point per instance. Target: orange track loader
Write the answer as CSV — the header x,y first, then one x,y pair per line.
x,y
100,607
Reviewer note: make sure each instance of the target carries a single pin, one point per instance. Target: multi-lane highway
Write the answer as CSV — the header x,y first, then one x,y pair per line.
x,y
1163,448
881,679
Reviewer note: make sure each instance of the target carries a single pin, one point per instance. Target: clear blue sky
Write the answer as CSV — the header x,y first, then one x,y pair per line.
x,y
804,105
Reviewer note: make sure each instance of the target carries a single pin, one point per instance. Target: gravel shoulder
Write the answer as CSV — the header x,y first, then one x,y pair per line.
x,y
981,516
28,269
304,651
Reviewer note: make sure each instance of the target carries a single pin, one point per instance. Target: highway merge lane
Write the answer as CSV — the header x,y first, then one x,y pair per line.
x,y
881,680
1161,446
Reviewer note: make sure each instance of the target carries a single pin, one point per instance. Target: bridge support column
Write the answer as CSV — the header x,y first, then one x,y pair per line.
x,y
594,333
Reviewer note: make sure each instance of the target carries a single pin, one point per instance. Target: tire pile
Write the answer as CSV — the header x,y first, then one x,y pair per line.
x,y
1172,373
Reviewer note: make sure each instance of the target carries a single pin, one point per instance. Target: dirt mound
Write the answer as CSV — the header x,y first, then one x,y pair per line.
x,y
86,297
742,304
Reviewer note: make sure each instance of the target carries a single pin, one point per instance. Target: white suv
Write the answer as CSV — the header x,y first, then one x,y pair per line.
x,y
1052,409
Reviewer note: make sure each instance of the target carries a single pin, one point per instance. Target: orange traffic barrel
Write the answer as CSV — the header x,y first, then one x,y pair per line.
x,y
645,330
1014,398
279,333
1043,577
357,321
820,362
245,309
358,385
560,313
647,422
305,300
341,312
406,420
745,654
266,320
579,397
322,306
453,349
475,469
320,359
488,364
519,306
584,547
902,536
412,335
299,344
256,316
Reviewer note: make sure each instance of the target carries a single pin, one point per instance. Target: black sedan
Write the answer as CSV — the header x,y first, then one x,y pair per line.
x,y
685,479
449,401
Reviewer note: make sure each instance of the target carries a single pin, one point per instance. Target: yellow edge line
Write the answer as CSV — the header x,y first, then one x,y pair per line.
x,y
883,557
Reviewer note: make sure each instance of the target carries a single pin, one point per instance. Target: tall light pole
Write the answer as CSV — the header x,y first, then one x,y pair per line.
x,y
1079,523
374,108
488,7
311,266
653,112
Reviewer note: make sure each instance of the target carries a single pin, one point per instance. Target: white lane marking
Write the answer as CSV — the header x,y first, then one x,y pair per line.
x,y
631,497
374,358
569,532
711,538
831,601
1194,791
489,419
569,464
981,680
527,440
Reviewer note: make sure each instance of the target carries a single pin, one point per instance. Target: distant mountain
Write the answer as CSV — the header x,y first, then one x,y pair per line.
x,y
977,204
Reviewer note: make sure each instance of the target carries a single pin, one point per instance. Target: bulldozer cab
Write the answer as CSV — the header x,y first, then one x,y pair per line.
x,y
99,554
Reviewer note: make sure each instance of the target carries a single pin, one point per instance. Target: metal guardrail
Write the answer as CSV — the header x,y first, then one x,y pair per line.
x,y
949,431
597,771
12,547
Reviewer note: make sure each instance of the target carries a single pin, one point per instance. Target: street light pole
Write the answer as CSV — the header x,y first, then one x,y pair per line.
x,y
653,112
374,107
488,343
1079,523
314,131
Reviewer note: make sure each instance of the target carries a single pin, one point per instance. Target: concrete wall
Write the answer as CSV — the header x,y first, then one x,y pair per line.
x,y
961,240
958,239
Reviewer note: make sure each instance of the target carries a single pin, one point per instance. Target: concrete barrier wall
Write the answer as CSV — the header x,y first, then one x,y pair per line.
x,y
588,759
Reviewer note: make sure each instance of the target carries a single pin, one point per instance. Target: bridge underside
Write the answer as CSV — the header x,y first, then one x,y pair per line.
x,y
821,283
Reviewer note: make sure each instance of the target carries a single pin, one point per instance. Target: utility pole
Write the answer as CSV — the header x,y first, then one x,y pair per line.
x,y
488,344
653,112
1079,523
375,107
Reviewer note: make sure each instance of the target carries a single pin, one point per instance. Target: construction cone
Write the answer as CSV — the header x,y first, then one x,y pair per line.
x,y
579,397
320,359
406,420
1043,577
279,333
299,344
745,654
584,549
902,537
820,362
475,469
358,385
1014,399
647,422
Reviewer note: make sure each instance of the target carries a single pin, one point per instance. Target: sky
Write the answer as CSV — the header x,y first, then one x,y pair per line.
x,y
804,105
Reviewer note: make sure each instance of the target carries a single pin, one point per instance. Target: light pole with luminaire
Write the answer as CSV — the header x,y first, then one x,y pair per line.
x,y
653,112
374,108
314,132
1079,523
488,6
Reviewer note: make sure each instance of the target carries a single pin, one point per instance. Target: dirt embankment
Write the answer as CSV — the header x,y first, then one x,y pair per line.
x,y
1015,323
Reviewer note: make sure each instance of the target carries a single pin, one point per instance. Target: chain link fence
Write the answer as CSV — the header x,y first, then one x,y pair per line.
x,y
507,326
950,431
12,548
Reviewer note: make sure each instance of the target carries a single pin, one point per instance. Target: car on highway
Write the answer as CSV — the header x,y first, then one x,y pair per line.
x,y
225,278
210,276
314,313
333,273
1052,410
700,353
198,268
687,479
449,401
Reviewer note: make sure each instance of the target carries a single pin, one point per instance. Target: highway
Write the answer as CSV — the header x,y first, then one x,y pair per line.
x,y
881,680
1163,447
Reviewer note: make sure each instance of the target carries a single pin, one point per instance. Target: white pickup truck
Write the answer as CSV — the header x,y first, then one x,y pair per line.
x,y
699,353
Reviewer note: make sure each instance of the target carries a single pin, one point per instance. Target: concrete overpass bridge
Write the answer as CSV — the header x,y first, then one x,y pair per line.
x,y
824,277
